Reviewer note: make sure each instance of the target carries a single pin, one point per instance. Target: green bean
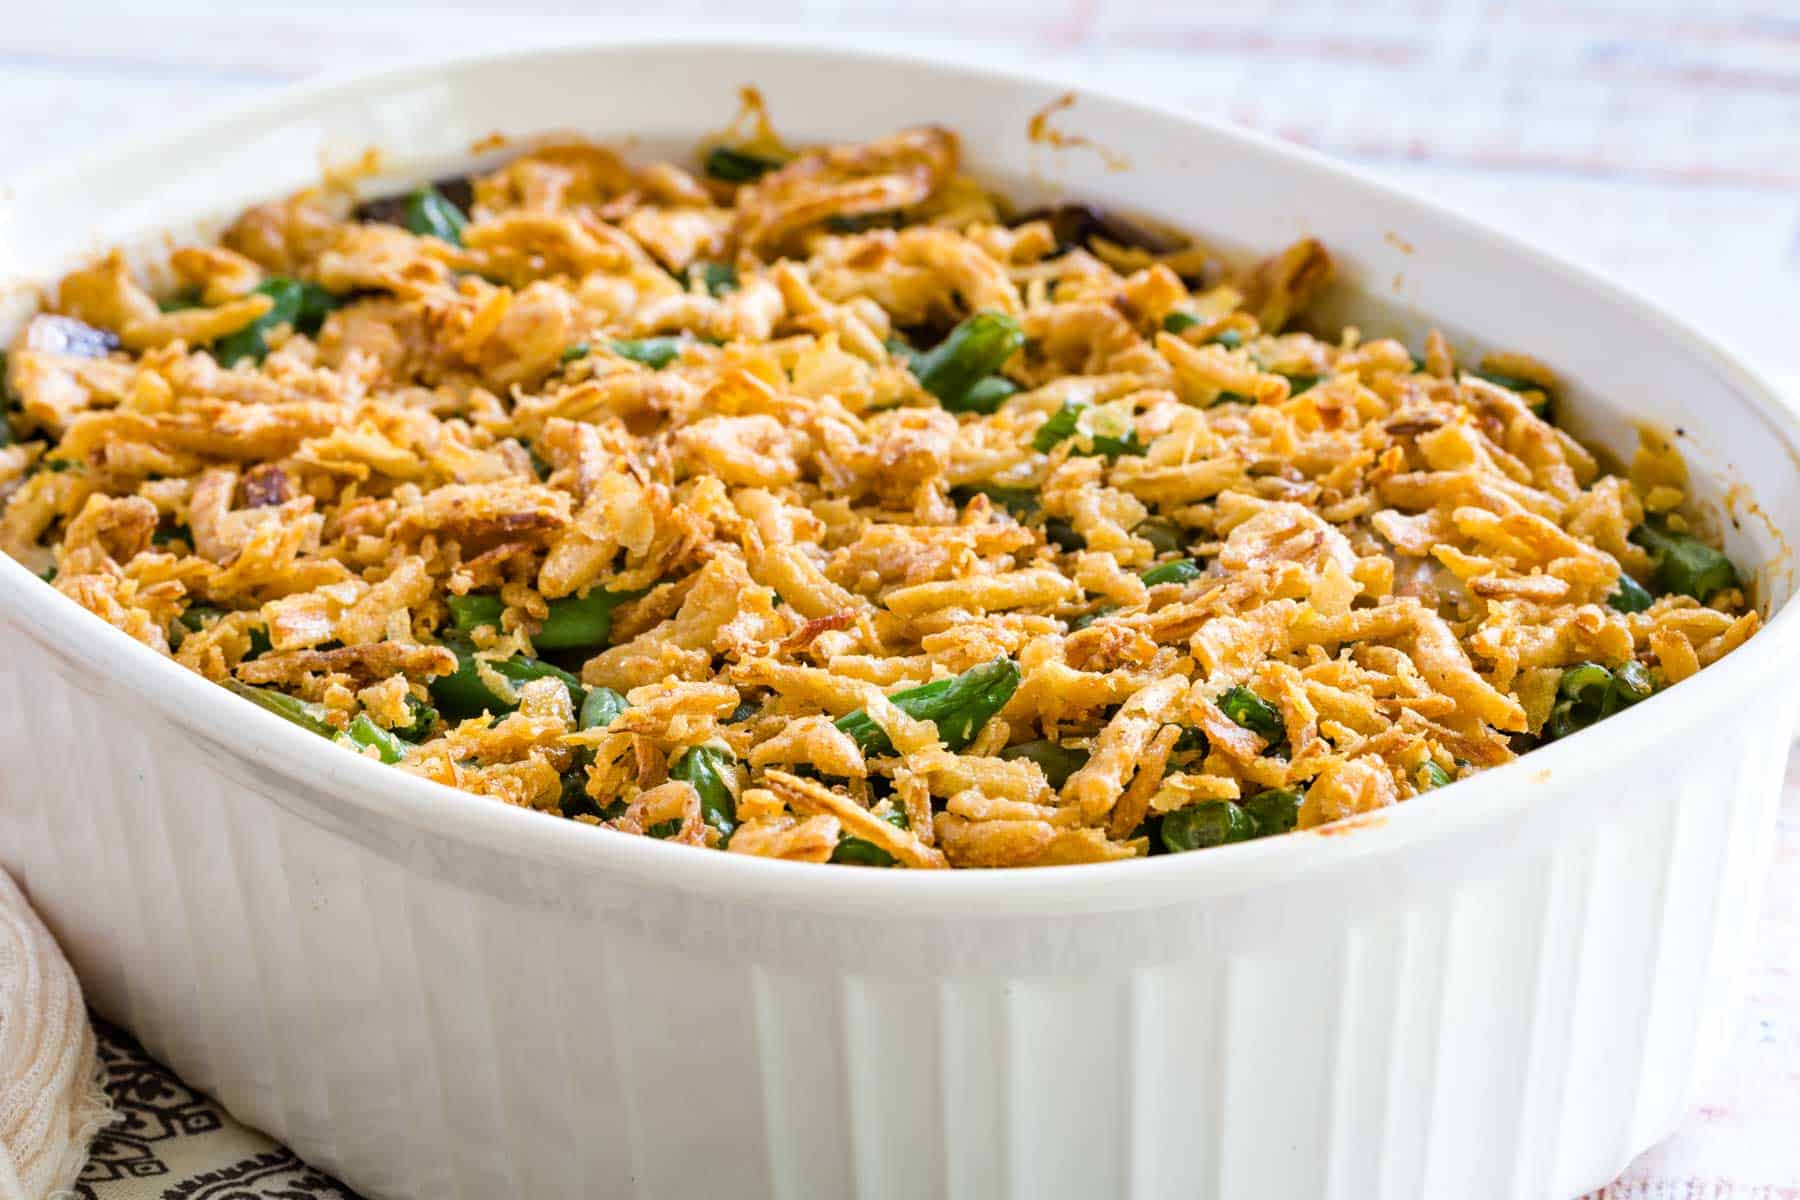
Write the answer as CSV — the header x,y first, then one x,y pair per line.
x,y
469,613
1209,823
857,852
1057,761
463,694
655,352
663,830
1430,775
181,301
1252,712
898,347
1088,618
719,277
1021,502
578,350
1589,692
732,165
1585,683
987,395
572,623
1065,423
429,214
975,349
198,616
364,732
578,622
1231,339
1300,383
1179,570
1276,810
959,706
310,717
1683,564
300,306
1631,596
1178,322
710,768
1164,535
1632,683
601,708
421,719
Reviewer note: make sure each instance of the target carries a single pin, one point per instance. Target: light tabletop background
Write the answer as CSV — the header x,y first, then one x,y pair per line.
x,y
1658,140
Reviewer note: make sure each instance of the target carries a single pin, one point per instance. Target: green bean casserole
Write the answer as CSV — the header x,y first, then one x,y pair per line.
x,y
815,504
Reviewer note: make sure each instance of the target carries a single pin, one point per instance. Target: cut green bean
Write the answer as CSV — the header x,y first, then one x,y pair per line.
x,y
601,708
731,165
299,305
1276,810
579,622
421,719
469,613
1252,712
987,395
1065,423
857,852
572,623
1163,534
975,349
1057,761
718,277
1209,823
1178,322
654,352
1180,570
430,214
711,768
1683,564
1430,775
1021,502
364,733
308,716
1631,596
1088,618
959,706
1589,692
462,693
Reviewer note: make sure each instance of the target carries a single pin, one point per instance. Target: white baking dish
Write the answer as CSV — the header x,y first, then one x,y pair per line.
x,y
1505,988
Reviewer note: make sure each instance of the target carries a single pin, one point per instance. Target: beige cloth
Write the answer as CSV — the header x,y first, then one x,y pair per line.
x,y
50,1101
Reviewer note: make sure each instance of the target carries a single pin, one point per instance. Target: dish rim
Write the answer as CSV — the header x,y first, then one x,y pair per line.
x,y
207,712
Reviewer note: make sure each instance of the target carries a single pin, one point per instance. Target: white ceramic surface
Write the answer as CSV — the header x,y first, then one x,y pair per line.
x,y
1505,988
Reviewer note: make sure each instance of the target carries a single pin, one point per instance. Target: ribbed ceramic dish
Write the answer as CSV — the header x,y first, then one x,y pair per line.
x,y
1505,988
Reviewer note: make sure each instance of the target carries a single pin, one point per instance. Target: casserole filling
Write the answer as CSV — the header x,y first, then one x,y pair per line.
x,y
815,505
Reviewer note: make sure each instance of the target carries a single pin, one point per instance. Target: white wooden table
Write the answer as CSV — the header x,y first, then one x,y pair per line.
x,y
1658,140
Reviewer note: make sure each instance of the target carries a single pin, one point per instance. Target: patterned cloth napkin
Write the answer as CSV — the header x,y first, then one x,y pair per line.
x,y
169,1142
